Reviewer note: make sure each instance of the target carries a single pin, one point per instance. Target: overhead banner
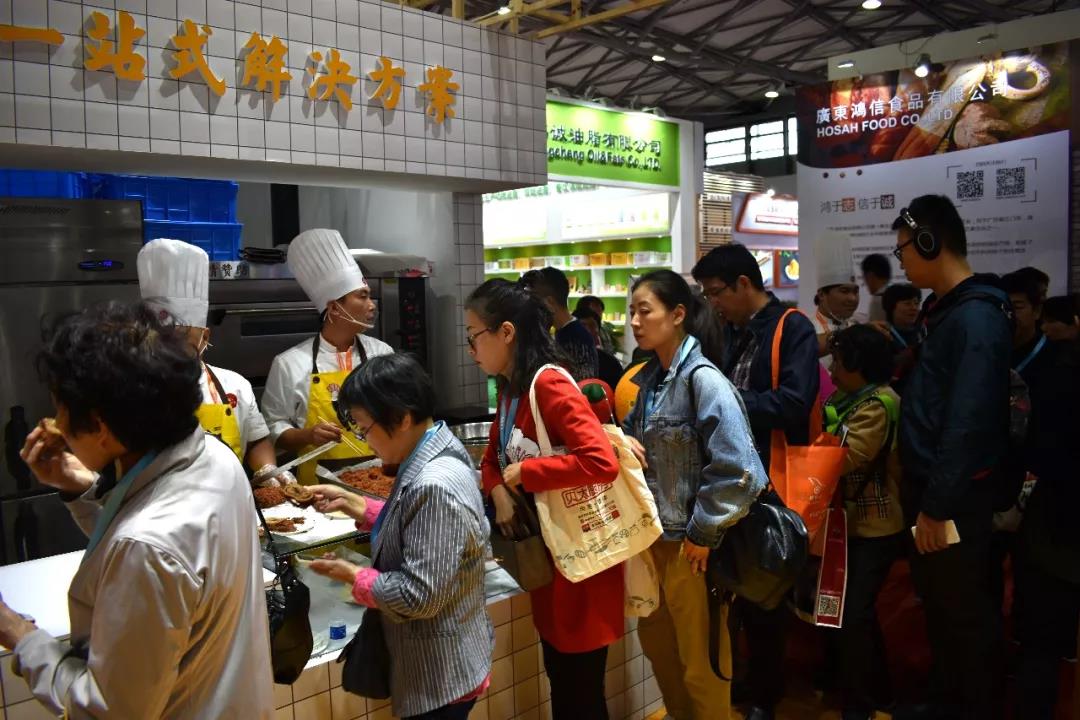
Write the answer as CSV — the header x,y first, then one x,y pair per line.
x,y
587,142
991,134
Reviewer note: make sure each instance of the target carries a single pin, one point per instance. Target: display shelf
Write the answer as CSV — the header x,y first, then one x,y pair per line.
x,y
565,241
652,266
602,296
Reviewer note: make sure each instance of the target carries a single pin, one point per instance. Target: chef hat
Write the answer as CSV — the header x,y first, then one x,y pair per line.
x,y
321,262
174,279
834,263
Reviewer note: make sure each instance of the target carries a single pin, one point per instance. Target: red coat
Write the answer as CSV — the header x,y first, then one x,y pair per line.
x,y
574,617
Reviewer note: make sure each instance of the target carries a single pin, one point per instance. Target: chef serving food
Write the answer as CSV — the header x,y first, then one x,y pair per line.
x,y
174,279
305,380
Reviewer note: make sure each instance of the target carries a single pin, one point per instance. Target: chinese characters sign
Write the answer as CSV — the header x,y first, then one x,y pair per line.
x,y
327,77
962,105
589,142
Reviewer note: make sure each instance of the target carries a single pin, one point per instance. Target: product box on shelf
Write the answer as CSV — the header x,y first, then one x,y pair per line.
x,y
598,258
505,264
644,258
620,258
538,262
521,263
579,261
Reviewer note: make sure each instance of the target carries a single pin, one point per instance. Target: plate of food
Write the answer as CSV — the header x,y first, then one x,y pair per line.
x,y
269,497
288,525
370,481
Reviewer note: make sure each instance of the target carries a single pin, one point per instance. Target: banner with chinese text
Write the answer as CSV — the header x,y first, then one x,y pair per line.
x,y
989,134
587,142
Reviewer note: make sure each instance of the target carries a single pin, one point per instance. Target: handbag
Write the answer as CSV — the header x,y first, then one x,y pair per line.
x,y
367,657
595,527
523,555
288,602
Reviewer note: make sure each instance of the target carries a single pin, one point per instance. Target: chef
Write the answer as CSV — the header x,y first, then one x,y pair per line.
x,y
837,296
174,280
304,380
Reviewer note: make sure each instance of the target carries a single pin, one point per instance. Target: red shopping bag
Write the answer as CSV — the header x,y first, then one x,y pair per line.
x,y
805,476
820,591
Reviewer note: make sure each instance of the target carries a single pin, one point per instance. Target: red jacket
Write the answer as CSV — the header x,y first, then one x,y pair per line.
x,y
574,617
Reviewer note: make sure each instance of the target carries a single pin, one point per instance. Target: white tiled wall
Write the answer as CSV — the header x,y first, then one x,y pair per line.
x,y
469,242
47,98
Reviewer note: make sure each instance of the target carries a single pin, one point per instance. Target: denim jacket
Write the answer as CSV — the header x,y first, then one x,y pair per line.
x,y
703,468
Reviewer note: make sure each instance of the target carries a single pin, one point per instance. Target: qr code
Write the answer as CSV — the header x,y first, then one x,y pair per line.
x,y
828,605
1011,182
969,185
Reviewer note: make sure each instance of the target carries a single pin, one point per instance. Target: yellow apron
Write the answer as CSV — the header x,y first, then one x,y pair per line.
x,y
219,417
322,394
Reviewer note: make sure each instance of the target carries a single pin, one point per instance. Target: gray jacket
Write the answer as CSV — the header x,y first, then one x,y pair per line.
x,y
430,552
703,468
168,613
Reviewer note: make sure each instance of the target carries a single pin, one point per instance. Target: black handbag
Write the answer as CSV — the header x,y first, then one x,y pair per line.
x,y
759,559
288,602
367,658
523,555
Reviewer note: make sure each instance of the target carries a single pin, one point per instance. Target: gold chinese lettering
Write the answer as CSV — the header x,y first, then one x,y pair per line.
x,y
438,88
389,79
14,33
329,84
190,57
264,65
120,56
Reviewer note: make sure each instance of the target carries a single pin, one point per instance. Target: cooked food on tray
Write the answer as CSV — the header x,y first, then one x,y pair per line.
x,y
370,480
268,497
284,525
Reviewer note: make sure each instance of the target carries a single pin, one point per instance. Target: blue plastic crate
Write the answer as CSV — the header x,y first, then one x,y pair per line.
x,y
175,199
42,183
221,241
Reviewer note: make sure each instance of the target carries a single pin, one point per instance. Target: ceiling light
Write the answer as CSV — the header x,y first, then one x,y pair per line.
x,y
845,64
922,66
505,10
987,38
770,192
871,4
659,58
772,93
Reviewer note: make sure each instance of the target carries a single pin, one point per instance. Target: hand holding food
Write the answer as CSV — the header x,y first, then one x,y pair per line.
x,y
323,433
46,453
330,498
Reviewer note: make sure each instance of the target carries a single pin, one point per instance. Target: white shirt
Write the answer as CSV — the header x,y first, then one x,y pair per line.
x,y
252,425
285,399
825,324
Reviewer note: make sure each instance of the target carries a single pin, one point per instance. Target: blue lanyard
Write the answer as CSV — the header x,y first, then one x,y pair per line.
x,y
507,414
899,338
1031,355
112,505
428,434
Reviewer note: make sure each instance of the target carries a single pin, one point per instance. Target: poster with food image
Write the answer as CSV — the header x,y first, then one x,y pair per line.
x,y
991,134
959,105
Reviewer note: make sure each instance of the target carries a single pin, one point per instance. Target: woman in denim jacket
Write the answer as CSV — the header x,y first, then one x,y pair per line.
x,y
690,429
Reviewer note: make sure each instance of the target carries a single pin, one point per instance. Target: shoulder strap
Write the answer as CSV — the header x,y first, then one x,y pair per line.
x,y
542,438
775,356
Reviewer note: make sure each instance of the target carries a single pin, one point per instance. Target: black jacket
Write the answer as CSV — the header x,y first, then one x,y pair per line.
x,y
787,408
955,413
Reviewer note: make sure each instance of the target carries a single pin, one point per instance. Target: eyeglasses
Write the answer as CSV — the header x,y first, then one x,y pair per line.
x,y
471,339
898,251
715,291
361,435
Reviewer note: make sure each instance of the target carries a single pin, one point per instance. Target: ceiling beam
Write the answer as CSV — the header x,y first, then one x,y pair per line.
x,y
631,6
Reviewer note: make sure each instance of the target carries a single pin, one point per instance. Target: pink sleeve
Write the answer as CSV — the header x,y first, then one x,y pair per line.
x,y
371,512
361,591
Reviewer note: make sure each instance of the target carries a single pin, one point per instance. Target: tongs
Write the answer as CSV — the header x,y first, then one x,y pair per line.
x,y
311,455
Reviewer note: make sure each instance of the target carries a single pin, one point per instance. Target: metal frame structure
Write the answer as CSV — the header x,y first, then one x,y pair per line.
x,y
720,56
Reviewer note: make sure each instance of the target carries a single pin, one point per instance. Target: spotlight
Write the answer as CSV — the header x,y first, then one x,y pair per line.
x,y
845,64
659,58
922,66
772,93
504,10
871,4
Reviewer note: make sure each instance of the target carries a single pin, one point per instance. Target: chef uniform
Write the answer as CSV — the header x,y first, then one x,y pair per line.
x,y
174,279
834,267
304,381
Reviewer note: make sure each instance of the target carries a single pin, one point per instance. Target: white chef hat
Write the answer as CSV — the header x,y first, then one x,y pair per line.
x,y
174,279
321,263
834,263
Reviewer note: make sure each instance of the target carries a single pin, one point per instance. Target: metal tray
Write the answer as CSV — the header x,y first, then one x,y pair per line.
x,y
331,477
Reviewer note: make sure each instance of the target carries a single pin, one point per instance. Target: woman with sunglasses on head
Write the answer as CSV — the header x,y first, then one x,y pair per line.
x,y
690,431
428,543
508,337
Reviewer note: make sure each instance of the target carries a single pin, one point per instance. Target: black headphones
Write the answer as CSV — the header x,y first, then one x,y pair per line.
x,y
924,240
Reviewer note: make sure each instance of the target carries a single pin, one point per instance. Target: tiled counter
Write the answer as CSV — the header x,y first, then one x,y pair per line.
x,y
519,687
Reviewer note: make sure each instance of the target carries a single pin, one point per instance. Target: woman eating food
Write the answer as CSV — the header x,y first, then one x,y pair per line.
x,y
167,609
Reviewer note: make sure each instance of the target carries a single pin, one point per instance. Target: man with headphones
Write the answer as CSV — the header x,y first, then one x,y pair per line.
x,y
953,438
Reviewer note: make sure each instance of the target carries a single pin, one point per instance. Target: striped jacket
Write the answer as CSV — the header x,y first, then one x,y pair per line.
x,y
430,552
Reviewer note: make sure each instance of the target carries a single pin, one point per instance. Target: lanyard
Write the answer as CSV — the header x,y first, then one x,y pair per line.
x,y
899,338
112,505
507,415
1031,355
428,434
